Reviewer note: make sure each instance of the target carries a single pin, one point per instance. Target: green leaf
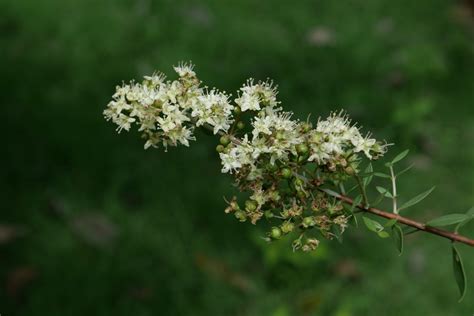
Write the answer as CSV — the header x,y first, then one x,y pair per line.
x,y
384,192
397,234
470,216
372,225
446,220
405,170
399,157
355,202
383,234
382,175
459,272
366,181
416,199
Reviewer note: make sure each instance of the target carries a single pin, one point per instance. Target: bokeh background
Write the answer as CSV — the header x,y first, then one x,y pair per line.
x,y
91,224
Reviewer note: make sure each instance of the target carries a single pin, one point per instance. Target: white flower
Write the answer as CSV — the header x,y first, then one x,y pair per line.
x,y
185,69
156,79
256,96
364,144
230,160
123,122
248,102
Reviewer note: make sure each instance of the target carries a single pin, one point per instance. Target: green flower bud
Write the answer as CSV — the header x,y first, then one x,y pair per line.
x,y
220,148
306,127
286,173
349,170
301,194
275,233
287,227
225,140
250,205
237,110
302,148
268,214
298,183
240,125
303,157
240,215
275,196
308,222
234,205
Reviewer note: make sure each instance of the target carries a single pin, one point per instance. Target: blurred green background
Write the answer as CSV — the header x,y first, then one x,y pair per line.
x,y
91,224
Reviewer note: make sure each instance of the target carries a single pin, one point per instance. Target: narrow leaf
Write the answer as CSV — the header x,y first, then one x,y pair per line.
x,y
459,272
382,175
470,216
405,170
372,225
400,156
383,234
384,191
368,179
446,220
397,234
416,199
355,202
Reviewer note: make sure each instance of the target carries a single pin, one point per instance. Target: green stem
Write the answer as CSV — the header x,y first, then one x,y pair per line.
x,y
394,190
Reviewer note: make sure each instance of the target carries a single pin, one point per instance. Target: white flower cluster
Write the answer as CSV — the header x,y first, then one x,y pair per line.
x,y
167,111
335,135
275,134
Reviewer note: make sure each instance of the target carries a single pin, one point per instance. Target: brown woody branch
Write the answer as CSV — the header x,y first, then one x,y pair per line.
x,y
406,221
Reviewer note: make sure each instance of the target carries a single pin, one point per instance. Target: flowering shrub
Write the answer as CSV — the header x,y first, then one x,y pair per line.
x,y
294,173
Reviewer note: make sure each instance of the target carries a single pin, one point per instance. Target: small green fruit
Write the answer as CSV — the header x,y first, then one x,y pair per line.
x,y
225,140
220,148
286,173
240,125
268,214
